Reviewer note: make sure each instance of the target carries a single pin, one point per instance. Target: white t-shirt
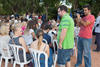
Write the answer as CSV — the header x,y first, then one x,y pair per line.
x,y
28,37
4,41
97,29
31,31
76,31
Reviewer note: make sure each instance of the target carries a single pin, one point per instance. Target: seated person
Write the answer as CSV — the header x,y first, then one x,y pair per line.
x,y
17,39
39,45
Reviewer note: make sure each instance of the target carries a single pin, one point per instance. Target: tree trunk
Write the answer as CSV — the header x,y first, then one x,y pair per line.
x,y
76,3
46,12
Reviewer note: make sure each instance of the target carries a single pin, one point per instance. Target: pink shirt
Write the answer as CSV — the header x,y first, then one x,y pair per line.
x,y
86,31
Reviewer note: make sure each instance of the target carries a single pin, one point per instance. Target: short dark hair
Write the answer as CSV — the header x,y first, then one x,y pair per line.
x,y
87,6
63,7
46,26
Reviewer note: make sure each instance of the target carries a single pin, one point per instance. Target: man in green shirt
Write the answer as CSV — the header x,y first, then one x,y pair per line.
x,y
65,37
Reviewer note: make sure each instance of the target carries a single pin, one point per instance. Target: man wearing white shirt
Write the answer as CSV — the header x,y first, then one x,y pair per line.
x,y
97,31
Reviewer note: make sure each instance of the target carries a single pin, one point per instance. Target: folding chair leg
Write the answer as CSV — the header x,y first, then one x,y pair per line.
x,y
22,65
14,65
6,62
12,61
55,60
0,61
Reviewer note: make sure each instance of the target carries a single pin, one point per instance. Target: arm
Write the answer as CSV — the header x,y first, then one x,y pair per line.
x,y
33,34
22,42
85,23
81,22
78,20
47,50
62,36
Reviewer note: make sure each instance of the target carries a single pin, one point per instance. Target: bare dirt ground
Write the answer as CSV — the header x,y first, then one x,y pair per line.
x,y
94,55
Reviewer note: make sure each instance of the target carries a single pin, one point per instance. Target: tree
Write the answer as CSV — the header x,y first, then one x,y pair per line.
x,y
48,7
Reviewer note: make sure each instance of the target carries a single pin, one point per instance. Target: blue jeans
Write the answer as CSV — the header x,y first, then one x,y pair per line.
x,y
83,47
98,41
64,56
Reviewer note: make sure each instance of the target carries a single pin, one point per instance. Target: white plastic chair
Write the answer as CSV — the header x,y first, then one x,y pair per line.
x,y
36,56
55,43
0,61
45,41
16,49
0,57
5,54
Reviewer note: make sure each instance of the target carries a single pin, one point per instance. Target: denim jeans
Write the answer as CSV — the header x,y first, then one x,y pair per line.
x,y
83,47
64,56
98,41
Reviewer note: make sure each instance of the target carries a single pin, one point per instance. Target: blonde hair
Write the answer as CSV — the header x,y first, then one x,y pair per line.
x,y
3,29
15,26
26,31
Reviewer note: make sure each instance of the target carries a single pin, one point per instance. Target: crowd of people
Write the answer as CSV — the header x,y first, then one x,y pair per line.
x,y
29,31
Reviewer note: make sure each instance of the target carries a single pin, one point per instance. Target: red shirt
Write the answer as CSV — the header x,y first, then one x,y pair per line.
x,y
86,31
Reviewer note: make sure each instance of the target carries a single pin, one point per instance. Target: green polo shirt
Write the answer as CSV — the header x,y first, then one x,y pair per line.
x,y
68,23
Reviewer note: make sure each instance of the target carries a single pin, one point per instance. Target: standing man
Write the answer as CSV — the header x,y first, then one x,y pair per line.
x,y
85,36
65,37
97,31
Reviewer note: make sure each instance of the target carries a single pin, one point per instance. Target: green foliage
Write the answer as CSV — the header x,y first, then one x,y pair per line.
x,y
95,5
49,7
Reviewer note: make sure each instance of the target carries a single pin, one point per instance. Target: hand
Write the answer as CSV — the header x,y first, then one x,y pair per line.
x,y
78,16
60,46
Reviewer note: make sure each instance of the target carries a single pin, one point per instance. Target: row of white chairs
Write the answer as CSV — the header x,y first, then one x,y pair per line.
x,y
35,54
55,46
15,50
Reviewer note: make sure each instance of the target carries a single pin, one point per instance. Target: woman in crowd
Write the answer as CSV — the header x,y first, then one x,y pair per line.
x,y
39,45
17,39
4,37
32,28
29,34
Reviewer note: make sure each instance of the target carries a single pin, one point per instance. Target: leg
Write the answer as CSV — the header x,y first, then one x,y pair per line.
x,y
68,64
98,41
68,61
80,52
87,52
61,59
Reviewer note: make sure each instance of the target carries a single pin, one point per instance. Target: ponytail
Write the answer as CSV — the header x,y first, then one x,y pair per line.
x,y
40,42
40,37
